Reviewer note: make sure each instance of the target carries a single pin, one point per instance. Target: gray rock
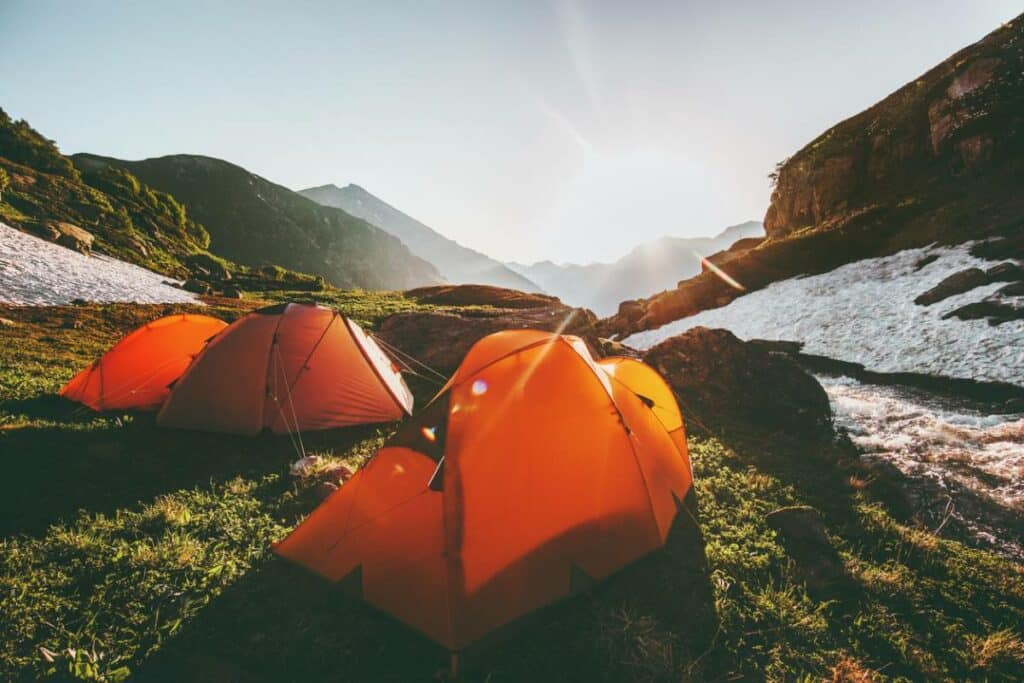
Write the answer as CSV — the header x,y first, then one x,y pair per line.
x,y
724,381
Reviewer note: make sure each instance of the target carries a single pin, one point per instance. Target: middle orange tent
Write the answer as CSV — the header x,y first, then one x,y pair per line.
x,y
286,368
529,476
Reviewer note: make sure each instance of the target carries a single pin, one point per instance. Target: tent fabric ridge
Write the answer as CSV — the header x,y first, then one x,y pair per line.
x,y
375,369
476,371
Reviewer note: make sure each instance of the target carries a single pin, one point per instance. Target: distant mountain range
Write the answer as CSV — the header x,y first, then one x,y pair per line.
x,y
458,264
253,221
647,269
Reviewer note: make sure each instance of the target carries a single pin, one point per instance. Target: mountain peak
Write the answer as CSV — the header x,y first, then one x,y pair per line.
x,y
459,264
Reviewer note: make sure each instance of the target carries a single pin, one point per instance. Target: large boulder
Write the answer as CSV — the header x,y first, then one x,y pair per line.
x,y
441,338
724,381
70,236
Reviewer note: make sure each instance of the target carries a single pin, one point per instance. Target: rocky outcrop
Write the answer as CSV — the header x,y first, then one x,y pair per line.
x,y
962,118
938,161
1009,246
442,338
722,258
966,280
993,309
69,235
723,381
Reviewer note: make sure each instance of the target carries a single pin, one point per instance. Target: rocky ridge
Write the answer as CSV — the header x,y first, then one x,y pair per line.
x,y
938,161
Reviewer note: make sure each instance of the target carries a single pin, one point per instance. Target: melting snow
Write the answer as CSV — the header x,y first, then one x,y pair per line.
x,y
954,447
36,272
864,312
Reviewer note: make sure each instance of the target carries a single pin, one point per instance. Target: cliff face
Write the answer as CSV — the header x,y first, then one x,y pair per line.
x,y
960,120
939,160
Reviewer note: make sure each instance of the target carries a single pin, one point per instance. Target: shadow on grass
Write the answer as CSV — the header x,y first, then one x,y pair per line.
x,y
48,407
280,623
52,472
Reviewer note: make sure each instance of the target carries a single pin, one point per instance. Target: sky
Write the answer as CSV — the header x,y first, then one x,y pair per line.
x,y
563,130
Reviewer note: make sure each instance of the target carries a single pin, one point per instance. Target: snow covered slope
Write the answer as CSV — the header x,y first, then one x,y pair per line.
x,y
34,271
864,312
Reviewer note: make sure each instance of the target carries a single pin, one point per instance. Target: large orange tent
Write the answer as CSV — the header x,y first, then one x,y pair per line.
x,y
135,373
530,475
287,368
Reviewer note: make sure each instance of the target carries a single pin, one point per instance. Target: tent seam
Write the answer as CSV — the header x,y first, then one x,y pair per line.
x,y
626,428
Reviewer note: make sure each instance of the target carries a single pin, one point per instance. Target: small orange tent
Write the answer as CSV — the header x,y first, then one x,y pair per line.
x,y
286,368
529,476
135,373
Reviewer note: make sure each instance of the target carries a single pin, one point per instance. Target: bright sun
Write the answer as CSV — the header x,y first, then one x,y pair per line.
x,y
619,198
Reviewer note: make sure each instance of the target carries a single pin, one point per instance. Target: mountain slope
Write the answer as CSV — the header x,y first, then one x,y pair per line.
x,y
253,221
459,264
938,161
647,269
49,197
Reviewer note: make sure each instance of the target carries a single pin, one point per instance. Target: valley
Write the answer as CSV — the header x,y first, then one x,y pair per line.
x,y
849,372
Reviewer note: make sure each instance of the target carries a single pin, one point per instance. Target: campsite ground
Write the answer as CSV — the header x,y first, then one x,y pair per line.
x,y
131,551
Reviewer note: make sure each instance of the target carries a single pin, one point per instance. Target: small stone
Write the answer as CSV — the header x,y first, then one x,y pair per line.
x,y
339,474
325,489
196,286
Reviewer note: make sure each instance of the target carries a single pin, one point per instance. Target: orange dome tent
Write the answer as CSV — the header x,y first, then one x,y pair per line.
x,y
286,368
529,476
135,373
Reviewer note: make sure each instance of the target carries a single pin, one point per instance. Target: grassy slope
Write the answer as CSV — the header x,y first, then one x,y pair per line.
x,y
147,551
129,220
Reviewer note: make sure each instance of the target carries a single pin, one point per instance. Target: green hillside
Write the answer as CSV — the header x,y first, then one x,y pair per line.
x,y
253,221
128,220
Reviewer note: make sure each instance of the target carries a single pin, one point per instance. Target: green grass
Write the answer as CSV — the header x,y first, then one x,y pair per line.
x,y
132,551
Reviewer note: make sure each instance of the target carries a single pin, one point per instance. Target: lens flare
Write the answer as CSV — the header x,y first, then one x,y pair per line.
x,y
429,433
721,273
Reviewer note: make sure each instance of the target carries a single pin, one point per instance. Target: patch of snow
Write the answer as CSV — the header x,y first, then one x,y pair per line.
x,y
36,272
864,312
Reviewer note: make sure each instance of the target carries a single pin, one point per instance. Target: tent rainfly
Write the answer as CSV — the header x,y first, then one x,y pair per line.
x,y
135,373
533,473
286,368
